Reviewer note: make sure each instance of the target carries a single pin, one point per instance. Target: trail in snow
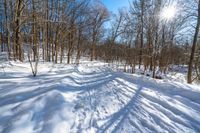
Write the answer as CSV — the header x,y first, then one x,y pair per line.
x,y
93,98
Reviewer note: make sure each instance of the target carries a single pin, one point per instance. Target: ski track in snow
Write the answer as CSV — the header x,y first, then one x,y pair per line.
x,y
93,98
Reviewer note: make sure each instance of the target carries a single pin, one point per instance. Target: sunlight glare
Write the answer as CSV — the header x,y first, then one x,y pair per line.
x,y
168,13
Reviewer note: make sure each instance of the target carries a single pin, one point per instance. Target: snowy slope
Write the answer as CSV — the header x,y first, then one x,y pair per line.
x,y
93,98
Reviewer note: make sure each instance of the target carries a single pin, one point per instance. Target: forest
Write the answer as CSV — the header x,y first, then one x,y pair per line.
x,y
51,30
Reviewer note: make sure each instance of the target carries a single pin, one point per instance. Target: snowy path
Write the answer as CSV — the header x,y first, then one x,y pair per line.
x,y
92,98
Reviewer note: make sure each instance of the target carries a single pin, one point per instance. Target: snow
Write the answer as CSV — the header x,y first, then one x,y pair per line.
x,y
91,98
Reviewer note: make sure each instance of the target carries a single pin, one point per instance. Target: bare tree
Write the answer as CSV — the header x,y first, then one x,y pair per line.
x,y
190,67
98,15
18,48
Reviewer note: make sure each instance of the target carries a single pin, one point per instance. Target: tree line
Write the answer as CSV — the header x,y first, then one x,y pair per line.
x,y
65,30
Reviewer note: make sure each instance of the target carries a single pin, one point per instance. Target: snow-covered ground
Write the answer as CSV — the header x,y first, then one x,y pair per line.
x,y
93,98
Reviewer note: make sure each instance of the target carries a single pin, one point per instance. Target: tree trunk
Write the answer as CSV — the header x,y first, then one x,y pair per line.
x,y
189,76
7,29
141,34
17,41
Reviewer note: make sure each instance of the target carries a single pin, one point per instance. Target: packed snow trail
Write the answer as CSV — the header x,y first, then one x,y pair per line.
x,y
93,98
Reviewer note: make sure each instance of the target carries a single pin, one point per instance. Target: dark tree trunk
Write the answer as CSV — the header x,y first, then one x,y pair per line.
x,y
189,76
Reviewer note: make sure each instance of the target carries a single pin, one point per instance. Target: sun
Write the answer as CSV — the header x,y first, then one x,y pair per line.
x,y
169,12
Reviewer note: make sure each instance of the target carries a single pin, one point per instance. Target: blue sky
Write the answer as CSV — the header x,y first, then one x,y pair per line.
x,y
113,5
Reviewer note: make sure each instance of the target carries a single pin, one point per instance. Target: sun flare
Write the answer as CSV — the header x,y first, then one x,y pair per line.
x,y
168,13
